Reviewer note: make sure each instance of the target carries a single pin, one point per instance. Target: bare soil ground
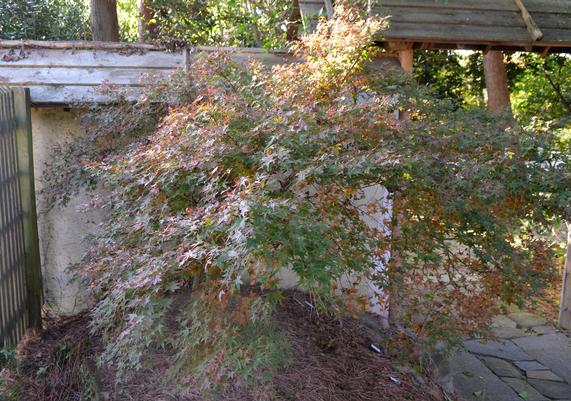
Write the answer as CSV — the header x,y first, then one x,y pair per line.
x,y
332,361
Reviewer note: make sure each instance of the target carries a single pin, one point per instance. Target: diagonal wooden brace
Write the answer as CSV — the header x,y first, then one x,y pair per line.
x,y
530,24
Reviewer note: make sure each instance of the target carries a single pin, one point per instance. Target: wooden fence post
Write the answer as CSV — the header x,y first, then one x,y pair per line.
x,y
565,311
28,200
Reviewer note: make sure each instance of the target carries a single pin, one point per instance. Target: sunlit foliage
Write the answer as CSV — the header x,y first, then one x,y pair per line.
x,y
176,22
541,89
455,76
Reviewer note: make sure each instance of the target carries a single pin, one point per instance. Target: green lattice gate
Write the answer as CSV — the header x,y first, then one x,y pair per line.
x,y
20,277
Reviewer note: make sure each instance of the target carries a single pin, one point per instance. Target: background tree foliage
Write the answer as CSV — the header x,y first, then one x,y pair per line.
x,y
44,19
242,23
452,75
540,88
220,178
177,22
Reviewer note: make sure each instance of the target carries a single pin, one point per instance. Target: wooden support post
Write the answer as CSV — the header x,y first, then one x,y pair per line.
x,y
565,306
28,200
406,58
496,82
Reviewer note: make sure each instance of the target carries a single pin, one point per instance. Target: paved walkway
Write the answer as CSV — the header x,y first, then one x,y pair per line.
x,y
530,361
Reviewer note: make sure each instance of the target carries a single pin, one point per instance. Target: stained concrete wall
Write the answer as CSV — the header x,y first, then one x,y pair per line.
x,y
63,231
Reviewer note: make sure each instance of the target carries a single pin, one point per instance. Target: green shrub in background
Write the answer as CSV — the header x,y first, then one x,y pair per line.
x,y
540,88
128,15
177,22
44,19
220,23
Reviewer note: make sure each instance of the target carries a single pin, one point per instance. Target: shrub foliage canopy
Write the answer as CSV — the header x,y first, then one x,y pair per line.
x,y
227,174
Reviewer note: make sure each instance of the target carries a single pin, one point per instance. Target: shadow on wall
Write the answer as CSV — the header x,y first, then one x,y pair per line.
x,y
63,231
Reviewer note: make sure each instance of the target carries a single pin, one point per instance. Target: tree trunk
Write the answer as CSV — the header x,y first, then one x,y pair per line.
x,y
565,311
146,30
294,22
104,22
395,265
496,82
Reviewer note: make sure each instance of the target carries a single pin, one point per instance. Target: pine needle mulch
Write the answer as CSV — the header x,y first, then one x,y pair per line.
x,y
332,361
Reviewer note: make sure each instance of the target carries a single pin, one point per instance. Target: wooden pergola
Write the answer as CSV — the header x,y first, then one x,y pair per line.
x,y
542,26
490,26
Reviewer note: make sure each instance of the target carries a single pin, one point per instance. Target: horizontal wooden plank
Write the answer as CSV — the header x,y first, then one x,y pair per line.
x,y
555,21
93,58
478,18
77,76
63,94
545,6
89,58
74,76
548,6
122,47
58,94
57,75
504,5
457,33
561,36
464,34
484,46
459,17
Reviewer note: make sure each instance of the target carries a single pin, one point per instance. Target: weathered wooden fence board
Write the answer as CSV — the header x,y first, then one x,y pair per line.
x,y
70,72
473,34
91,58
70,95
75,76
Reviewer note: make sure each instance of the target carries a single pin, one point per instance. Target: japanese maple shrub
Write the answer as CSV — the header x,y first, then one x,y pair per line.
x,y
255,170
